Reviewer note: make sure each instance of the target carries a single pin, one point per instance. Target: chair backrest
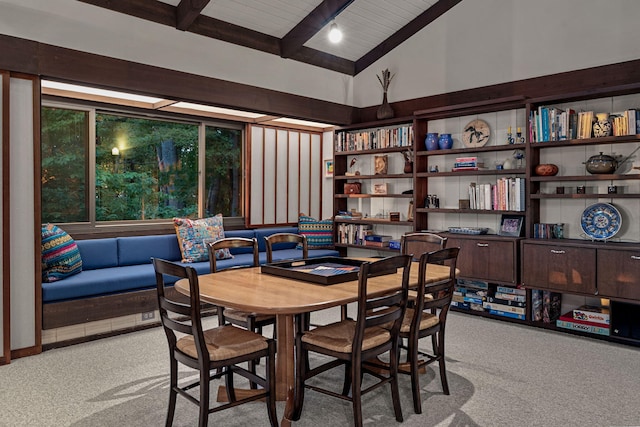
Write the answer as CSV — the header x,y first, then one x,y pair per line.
x,y
286,238
228,243
441,291
418,243
177,316
382,309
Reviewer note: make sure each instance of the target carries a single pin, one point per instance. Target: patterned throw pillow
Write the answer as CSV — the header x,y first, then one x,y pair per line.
x,y
60,254
194,234
319,233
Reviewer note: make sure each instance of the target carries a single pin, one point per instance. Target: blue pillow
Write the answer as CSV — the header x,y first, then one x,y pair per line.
x,y
60,254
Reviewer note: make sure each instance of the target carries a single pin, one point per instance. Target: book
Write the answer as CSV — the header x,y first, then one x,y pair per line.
x,y
510,297
536,305
377,238
550,306
508,290
567,321
507,314
507,302
593,314
503,307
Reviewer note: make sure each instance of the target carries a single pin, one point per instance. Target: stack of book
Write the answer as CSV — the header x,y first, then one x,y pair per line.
x,y
353,234
545,305
470,294
467,164
594,320
377,240
507,302
507,194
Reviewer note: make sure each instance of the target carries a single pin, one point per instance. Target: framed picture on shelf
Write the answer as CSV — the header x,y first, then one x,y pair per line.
x,y
381,165
380,188
328,168
511,225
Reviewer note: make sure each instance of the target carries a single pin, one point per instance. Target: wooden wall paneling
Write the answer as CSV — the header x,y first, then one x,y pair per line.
x,y
5,292
293,201
282,178
305,167
316,176
269,174
24,215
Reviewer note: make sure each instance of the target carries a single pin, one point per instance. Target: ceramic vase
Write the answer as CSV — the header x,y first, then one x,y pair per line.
x,y
408,166
602,127
445,142
431,141
384,111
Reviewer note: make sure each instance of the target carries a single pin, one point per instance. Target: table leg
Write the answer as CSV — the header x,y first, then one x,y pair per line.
x,y
285,364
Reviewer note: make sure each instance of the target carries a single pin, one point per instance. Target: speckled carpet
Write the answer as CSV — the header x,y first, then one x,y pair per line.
x,y
500,374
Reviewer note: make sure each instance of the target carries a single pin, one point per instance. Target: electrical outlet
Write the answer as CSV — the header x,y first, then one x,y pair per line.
x,y
148,315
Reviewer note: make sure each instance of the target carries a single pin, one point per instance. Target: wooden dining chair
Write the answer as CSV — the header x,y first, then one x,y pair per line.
x,y
277,238
350,342
418,243
251,321
222,347
428,318
230,316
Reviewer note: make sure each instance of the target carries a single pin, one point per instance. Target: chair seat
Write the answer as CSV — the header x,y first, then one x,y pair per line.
x,y
241,316
339,336
427,321
414,294
225,342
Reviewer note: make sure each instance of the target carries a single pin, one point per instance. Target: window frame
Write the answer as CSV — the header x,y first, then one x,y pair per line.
x,y
133,227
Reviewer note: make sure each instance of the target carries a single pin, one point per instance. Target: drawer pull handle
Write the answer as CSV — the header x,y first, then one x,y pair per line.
x,y
635,257
482,245
553,251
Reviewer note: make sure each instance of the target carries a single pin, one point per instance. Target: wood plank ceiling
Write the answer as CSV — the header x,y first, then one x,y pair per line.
x,y
296,29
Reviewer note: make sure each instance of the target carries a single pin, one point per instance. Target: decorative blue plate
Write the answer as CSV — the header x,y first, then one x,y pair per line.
x,y
601,221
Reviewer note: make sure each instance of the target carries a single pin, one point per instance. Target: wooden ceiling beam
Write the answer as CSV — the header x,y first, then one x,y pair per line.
x,y
400,36
310,25
187,11
163,13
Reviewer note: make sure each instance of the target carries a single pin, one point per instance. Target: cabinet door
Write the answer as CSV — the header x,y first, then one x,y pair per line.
x,y
561,268
486,259
618,273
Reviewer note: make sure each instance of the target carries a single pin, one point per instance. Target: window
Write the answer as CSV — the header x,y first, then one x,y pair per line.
x,y
104,166
65,145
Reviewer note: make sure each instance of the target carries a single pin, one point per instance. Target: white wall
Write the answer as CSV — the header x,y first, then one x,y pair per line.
x,y
485,42
76,25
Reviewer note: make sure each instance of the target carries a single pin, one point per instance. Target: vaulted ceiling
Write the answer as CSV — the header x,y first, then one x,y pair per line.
x,y
296,29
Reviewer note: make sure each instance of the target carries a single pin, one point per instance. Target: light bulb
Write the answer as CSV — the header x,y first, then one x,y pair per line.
x,y
115,151
335,35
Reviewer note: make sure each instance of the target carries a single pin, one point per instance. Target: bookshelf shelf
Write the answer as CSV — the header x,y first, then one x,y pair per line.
x,y
494,172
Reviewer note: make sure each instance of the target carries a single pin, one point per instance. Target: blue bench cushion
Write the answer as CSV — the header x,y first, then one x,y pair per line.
x,y
247,234
140,249
98,253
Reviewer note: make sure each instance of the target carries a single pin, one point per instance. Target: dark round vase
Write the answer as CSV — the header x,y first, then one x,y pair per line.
x,y
445,142
431,141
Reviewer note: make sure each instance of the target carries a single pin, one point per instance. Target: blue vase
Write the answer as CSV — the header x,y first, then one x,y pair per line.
x,y
431,141
445,142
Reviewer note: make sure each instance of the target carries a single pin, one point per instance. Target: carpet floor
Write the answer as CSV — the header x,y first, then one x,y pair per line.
x,y
500,374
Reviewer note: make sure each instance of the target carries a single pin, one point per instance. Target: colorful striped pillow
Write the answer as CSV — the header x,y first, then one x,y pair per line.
x,y
319,233
60,254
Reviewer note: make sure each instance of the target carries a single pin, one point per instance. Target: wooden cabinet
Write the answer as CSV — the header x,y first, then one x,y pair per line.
x,y
558,267
490,258
619,273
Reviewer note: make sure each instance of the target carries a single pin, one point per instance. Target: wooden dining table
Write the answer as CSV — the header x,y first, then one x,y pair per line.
x,y
249,289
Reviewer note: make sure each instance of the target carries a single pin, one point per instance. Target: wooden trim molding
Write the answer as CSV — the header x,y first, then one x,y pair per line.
x,y
37,211
6,229
74,66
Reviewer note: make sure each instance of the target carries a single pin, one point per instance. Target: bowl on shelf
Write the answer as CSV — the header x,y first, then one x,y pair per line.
x,y
601,163
546,169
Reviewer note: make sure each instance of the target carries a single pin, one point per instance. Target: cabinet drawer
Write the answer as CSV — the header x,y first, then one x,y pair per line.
x,y
562,268
619,273
486,259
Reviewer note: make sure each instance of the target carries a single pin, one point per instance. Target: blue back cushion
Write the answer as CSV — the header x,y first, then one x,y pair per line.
x,y
261,233
98,253
247,234
140,249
